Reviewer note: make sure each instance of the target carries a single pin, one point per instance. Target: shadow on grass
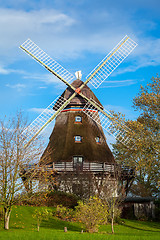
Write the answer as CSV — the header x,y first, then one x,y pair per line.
x,y
142,225
57,224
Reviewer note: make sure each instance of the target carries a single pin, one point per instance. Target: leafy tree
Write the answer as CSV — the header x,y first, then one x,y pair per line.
x,y
92,213
142,151
41,214
13,156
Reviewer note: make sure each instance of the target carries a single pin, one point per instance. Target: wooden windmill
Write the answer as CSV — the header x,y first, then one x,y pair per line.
x,y
78,141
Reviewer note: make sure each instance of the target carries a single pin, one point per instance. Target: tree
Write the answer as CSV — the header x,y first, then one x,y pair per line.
x,y
13,156
111,189
92,213
142,152
40,214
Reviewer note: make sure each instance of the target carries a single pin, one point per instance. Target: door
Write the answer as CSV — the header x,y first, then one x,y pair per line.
x,y
78,162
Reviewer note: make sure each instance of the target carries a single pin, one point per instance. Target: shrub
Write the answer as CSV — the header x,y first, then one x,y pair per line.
x,y
52,198
64,213
92,213
40,214
1,213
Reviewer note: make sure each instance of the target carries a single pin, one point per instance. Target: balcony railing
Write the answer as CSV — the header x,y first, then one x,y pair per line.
x,y
60,167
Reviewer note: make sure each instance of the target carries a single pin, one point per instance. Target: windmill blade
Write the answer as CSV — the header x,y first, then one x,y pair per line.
x,y
43,120
39,124
46,61
105,119
101,72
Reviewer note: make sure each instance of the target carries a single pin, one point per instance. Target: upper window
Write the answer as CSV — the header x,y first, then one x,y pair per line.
x,y
78,159
97,139
78,139
78,119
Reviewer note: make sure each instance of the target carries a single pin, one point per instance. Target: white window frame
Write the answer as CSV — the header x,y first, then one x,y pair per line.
x,y
98,139
78,119
78,139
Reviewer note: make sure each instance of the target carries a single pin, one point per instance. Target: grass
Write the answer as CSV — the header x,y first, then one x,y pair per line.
x,y
23,227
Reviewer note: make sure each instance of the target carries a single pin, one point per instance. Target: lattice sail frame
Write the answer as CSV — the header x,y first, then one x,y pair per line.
x,y
111,61
46,61
42,120
105,120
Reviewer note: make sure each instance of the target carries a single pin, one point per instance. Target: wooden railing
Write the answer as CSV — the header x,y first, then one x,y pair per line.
x,y
70,166
85,167
122,173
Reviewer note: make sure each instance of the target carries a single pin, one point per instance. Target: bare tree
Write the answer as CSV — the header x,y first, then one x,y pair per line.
x,y
13,157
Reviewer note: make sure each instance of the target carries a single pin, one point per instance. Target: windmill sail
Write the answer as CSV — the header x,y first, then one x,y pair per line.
x,y
106,120
96,77
46,61
111,61
43,120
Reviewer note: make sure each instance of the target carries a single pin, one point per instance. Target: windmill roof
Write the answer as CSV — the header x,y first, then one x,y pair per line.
x,y
78,100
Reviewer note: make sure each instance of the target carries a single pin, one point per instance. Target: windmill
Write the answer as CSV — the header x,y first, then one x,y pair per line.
x,y
78,98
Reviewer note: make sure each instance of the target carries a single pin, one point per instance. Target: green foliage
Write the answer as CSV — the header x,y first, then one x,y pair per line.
x,y
117,213
64,213
40,214
51,198
142,152
1,213
92,213
65,199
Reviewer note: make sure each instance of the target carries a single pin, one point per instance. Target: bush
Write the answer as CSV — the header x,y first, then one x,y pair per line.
x,y
92,213
64,213
48,199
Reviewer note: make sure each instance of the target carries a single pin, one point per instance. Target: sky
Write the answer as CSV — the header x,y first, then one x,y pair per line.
x,y
78,35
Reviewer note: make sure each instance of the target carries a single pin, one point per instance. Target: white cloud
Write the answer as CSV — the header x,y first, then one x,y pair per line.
x,y
4,70
17,25
45,80
120,83
36,110
17,86
68,36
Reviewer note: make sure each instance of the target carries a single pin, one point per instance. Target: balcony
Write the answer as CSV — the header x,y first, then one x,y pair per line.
x,y
64,167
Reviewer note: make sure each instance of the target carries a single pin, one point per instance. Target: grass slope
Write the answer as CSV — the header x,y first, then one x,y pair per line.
x,y
23,227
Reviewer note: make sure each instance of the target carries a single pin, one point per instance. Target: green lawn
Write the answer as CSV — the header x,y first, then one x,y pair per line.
x,y
23,226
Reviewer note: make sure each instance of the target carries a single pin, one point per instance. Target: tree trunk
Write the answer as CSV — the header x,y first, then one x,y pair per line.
x,y
113,219
112,225
7,213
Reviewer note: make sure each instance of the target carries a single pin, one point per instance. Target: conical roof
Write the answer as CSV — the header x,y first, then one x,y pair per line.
x,y
78,100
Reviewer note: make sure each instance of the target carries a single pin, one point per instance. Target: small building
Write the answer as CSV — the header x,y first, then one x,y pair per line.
x,y
142,208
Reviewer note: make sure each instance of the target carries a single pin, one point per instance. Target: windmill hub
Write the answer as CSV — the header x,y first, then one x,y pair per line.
x,y
78,90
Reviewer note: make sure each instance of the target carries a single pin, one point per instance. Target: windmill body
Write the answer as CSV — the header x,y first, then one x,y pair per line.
x,y
77,148
75,135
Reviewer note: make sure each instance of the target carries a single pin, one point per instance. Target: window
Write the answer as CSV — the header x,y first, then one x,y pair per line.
x,y
78,159
78,119
78,139
97,139
78,162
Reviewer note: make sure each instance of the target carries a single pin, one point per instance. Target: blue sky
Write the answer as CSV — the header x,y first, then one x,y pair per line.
x,y
77,34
